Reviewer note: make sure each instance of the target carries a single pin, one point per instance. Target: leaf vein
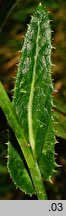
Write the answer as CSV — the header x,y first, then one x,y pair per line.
x,y
30,127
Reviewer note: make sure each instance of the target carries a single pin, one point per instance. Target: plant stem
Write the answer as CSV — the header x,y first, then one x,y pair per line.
x,y
12,119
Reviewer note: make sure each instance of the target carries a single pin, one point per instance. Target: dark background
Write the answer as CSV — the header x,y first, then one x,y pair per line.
x,y
14,17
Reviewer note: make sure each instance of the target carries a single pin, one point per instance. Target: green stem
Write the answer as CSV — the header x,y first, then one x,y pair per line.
x,y
7,108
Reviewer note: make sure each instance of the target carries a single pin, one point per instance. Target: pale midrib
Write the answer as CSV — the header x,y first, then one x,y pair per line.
x,y
30,103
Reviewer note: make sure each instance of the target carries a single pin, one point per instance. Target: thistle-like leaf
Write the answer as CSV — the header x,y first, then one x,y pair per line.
x,y
32,100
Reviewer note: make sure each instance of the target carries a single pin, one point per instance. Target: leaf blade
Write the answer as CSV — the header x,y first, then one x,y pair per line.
x,y
18,172
33,91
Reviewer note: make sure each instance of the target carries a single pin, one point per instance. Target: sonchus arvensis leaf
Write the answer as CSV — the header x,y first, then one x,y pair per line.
x,y
32,101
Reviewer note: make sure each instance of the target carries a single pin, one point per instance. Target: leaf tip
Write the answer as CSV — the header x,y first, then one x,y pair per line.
x,y
40,4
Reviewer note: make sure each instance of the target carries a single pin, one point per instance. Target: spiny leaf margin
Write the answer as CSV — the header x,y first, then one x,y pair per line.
x,y
32,100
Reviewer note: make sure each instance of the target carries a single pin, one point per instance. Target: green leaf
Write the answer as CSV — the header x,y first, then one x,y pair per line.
x,y
30,114
32,100
18,172
13,121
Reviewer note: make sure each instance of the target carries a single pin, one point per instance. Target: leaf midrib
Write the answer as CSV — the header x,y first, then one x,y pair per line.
x,y
30,125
